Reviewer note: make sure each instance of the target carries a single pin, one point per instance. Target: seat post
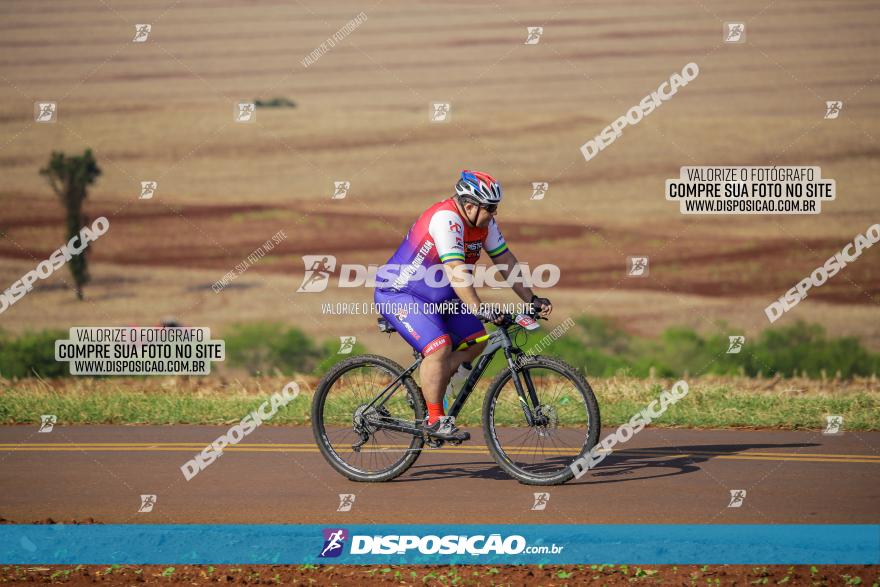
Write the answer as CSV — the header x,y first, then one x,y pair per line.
x,y
385,325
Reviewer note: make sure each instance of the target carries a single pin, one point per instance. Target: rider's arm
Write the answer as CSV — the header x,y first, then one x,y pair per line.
x,y
447,230
496,246
507,262
464,288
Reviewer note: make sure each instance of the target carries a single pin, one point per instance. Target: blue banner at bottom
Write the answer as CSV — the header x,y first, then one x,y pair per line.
x,y
440,544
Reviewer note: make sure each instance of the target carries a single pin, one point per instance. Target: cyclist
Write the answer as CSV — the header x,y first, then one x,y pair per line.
x,y
434,315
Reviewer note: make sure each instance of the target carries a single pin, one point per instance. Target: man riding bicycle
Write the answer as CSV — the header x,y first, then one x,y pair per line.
x,y
435,316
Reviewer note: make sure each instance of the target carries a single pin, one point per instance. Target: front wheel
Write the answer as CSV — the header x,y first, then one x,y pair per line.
x,y
565,422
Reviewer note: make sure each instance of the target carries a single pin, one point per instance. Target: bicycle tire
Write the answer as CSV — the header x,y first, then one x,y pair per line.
x,y
325,386
594,424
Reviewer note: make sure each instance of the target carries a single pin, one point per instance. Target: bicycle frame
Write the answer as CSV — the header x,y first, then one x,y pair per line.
x,y
499,339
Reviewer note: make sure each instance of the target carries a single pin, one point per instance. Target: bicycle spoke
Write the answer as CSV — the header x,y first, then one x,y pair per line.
x,y
353,430
542,450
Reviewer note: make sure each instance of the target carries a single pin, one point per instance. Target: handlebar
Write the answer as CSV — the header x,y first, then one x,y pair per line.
x,y
510,319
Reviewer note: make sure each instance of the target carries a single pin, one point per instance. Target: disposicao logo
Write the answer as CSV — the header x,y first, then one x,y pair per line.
x,y
334,541
431,544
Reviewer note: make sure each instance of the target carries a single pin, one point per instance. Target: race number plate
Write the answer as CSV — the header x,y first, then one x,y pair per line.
x,y
527,322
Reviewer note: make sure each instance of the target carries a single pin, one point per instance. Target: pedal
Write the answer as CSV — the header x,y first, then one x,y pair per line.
x,y
434,442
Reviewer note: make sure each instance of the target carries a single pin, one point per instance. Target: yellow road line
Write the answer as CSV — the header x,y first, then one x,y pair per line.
x,y
311,445
148,444
445,450
800,459
757,455
747,457
474,449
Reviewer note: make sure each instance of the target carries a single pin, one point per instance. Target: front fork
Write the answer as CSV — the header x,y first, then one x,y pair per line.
x,y
533,418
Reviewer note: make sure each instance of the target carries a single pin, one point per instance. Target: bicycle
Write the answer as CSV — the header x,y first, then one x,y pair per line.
x,y
348,414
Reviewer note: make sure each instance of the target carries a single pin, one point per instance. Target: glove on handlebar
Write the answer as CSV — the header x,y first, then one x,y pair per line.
x,y
539,303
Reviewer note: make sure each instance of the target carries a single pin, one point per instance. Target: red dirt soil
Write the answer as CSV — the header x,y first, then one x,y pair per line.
x,y
447,575
219,237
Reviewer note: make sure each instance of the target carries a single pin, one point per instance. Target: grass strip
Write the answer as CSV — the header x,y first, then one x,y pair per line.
x,y
713,402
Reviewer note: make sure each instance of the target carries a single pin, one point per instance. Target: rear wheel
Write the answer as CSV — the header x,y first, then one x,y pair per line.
x,y
566,423
346,429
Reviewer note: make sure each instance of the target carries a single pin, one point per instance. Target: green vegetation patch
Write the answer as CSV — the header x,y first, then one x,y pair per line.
x,y
713,402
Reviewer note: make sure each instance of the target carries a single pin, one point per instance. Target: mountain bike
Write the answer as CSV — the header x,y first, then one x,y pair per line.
x,y
539,413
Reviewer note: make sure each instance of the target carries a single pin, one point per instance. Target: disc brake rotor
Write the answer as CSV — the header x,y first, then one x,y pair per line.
x,y
550,418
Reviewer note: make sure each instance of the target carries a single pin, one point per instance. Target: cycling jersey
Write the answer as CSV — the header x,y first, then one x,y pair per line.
x,y
439,236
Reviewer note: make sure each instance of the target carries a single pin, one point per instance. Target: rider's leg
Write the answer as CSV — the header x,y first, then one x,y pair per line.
x,y
428,333
464,356
464,327
434,373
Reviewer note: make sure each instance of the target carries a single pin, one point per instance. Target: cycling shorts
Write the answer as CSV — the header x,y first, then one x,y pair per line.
x,y
428,326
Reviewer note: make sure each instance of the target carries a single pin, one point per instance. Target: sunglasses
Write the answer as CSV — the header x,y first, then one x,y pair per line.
x,y
491,208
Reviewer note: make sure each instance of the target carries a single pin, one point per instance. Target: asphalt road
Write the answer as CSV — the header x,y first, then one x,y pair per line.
x,y
277,475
